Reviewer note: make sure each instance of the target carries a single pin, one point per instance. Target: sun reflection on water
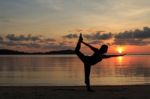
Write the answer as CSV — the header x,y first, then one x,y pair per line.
x,y
120,59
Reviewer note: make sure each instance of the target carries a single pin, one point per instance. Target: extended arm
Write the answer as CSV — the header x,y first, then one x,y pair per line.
x,y
109,56
91,47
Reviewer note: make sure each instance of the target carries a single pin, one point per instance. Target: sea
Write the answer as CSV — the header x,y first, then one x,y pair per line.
x,y
68,70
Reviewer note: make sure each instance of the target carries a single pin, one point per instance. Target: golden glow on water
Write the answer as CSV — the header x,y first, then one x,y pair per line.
x,y
120,59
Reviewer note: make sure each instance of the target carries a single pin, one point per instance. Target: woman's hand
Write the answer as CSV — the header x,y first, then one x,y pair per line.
x,y
80,38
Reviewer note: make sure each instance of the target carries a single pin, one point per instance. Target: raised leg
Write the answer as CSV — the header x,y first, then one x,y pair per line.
x,y
77,49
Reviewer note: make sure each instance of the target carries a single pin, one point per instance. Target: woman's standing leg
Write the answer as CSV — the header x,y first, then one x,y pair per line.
x,y
87,70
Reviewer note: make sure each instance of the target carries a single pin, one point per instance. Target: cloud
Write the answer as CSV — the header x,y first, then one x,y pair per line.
x,y
45,46
47,40
96,42
132,37
98,36
70,36
93,36
29,37
21,44
26,41
136,37
138,42
1,42
1,39
137,34
139,37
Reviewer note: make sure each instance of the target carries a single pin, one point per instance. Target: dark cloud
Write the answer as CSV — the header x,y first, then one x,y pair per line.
x,y
93,36
47,46
70,36
11,40
1,39
131,42
29,41
98,36
137,34
136,37
47,40
96,42
9,43
17,44
29,37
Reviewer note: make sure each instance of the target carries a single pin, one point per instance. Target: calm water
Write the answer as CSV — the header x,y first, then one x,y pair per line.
x,y
68,71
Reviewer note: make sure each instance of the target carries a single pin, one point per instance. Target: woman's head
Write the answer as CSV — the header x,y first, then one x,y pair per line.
x,y
103,49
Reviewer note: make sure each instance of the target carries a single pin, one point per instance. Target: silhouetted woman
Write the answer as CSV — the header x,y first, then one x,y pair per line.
x,y
88,61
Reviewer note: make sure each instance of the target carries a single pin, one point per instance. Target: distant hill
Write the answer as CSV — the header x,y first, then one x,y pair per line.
x,y
13,52
10,52
59,52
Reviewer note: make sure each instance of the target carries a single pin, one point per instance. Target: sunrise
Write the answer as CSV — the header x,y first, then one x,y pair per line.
x,y
74,47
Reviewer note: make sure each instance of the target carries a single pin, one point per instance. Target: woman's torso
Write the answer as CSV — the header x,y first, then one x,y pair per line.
x,y
95,58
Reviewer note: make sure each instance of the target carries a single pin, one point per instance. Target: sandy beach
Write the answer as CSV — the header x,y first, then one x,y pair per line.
x,y
75,92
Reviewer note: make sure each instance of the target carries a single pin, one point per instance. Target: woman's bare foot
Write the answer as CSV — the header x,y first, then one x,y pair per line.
x,y
80,38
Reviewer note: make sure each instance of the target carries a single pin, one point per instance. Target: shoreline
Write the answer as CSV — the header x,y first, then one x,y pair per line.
x,y
75,92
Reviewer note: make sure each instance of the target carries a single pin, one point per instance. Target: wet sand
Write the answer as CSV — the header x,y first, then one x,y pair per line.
x,y
75,92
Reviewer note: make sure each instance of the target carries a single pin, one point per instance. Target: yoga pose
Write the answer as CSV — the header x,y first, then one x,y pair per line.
x,y
88,61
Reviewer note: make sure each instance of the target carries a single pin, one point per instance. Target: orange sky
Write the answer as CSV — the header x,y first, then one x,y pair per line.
x,y
39,25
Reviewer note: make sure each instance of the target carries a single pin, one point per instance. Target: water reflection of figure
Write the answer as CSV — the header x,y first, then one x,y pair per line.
x,y
88,61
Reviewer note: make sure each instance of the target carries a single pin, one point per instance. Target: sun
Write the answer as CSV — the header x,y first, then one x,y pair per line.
x,y
120,50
